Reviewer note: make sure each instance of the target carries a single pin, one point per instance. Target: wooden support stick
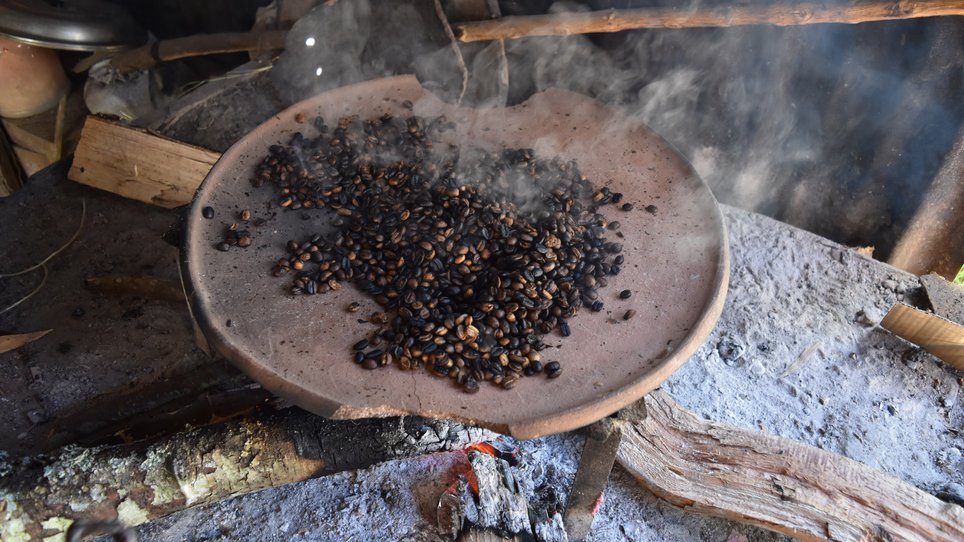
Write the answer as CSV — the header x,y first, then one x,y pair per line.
x,y
197,45
140,482
779,14
775,483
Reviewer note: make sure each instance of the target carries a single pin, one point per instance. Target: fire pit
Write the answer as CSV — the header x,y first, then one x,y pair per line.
x,y
297,347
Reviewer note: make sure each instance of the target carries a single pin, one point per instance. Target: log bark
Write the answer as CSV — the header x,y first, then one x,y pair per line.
x,y
775,483
778,14
140,482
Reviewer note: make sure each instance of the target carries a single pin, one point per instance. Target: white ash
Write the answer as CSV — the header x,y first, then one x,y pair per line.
x,y
864,393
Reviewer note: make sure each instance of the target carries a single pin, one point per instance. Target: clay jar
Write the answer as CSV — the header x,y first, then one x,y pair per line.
x,y
31,79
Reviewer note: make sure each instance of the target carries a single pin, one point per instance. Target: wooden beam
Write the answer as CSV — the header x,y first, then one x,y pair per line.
x,y
778,14
139,165
775,483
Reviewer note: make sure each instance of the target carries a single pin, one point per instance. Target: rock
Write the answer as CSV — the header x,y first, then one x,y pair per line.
x,y
731,351
914,358
864,318
952,492
950,459
37,416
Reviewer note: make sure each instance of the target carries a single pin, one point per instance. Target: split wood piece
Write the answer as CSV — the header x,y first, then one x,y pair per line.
x,y
152,54
779,14
137,164
938,336
775,483
13,342
141,482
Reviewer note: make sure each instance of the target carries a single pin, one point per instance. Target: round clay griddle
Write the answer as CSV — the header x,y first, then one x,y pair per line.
x,y
299,347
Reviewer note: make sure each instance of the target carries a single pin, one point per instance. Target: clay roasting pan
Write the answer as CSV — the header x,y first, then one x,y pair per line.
x,y
677,265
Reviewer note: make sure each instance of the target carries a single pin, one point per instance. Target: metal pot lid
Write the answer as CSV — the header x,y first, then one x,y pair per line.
x,y
73,25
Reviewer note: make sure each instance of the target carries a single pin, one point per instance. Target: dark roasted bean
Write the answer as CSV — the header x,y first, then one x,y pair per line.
x,y
629,314
553,369
207,212
361,345
625,294
627,207
467,278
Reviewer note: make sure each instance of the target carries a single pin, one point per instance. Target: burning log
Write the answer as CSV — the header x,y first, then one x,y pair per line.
x,y
775,483
781,14
140,482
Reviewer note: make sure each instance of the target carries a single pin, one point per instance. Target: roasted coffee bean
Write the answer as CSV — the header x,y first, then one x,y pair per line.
x,y
629,314
625,294
361,345
207,212
553,369
651,209
245,215
468,274
627,207
222,246
353,306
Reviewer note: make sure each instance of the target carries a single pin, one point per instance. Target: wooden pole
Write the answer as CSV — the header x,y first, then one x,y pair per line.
x,y
775,483
779,14
149,55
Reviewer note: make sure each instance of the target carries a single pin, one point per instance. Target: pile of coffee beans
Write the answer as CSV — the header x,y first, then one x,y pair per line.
x,y
473,256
